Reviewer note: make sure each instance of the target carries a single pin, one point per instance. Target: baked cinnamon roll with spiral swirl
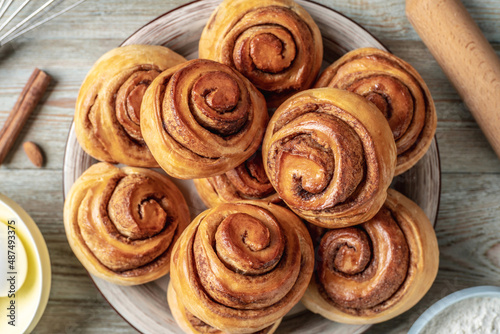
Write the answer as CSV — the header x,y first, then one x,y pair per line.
x,y
191,324
377,270
397,89
121,223
202,118
240,267
331,156
275,44
248,181
107,113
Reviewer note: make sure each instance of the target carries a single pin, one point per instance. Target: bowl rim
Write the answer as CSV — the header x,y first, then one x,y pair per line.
x,y
33,235
451,299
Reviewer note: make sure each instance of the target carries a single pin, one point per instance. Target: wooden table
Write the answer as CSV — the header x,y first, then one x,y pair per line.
x,y
468,227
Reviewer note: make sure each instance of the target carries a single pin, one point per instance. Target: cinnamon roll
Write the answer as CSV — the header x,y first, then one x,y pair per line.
x,y
275,44
190,324
377,270
397,89
121,223
248,181
240,267
331,156
107,113
202,118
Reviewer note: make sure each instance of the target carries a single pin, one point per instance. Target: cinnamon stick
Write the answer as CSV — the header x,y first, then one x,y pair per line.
x,y
26,103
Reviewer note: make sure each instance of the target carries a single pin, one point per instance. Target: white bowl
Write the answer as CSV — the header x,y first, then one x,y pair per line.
x,y
31,298
444,303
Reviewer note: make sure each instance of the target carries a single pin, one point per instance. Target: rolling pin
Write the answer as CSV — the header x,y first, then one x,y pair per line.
x,y
465,56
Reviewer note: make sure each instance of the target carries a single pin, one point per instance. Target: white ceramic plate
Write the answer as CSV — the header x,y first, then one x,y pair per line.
x,y
145,307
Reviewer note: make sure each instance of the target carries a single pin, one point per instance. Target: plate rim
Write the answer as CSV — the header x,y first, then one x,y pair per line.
x,y
311,1
439,185
438,205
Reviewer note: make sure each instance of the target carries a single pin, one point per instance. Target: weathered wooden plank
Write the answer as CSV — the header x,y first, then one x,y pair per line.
x,y
464,149
468,223
93,316
386,19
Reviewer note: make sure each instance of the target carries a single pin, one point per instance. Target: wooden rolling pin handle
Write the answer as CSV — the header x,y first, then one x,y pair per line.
x,y
465,56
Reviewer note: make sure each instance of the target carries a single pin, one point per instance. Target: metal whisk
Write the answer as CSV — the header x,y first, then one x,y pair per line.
x,y
27,24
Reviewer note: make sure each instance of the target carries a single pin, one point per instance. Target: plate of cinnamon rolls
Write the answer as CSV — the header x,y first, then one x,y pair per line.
x,y
246,166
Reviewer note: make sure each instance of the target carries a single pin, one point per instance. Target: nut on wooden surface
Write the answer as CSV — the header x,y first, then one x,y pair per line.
x,y
34,153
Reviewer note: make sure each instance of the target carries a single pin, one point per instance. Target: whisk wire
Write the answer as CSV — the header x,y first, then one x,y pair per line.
x,y
5,8
12,34
20,8
29,17
1,5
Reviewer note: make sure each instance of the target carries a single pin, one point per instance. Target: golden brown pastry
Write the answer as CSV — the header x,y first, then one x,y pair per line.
x,y
202,118
107,112
121,223
274,43
248,181
240,267
331,156
397,89
193,325
375,271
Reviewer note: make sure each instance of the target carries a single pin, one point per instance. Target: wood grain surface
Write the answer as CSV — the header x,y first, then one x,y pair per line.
x,y
468,225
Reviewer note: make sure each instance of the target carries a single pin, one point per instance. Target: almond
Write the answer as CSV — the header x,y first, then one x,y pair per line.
x,y
34,153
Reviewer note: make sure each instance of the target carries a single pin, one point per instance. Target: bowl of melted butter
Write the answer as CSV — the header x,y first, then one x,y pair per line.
x,y
25,273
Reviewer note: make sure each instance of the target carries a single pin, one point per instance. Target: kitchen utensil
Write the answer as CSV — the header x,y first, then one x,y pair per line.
x,y
29,22
466,57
